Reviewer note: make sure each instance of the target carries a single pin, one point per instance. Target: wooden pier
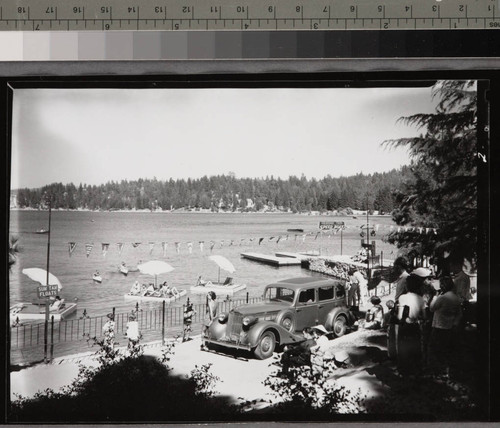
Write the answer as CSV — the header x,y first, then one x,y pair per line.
x,y
272,260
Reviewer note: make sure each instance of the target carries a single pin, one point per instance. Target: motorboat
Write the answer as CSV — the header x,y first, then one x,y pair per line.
x,y
169,299
221,288
36,311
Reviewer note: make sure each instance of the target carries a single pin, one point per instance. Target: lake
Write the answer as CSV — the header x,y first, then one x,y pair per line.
x,y
234,229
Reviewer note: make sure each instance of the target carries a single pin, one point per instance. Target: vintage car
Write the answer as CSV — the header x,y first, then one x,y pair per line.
x,y
289,306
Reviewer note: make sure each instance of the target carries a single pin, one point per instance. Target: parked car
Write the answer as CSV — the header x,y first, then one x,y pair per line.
x,y
289,306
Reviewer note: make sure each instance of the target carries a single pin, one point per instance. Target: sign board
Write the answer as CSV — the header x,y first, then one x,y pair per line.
x,y
328,225
50,291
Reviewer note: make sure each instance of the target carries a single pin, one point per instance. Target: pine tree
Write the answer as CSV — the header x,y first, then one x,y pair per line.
x,y
442,192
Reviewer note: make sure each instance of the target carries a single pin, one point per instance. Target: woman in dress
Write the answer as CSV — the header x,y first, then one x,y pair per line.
x,y
210,314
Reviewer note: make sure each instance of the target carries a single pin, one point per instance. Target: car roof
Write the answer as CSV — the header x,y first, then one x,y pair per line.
x,y
304,282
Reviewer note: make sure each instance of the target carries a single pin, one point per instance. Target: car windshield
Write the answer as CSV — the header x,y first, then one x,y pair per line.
x,y
279,293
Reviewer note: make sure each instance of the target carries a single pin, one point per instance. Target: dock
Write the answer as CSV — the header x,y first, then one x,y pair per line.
x,y
300,256
272,260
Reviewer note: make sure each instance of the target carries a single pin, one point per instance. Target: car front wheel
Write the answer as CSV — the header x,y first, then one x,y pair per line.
x,y
266,346
340,326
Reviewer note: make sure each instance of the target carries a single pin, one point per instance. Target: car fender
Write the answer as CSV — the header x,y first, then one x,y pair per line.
x,y
285,313
283,337
334,313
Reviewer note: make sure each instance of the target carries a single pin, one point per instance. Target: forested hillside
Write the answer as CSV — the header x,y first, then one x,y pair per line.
x,y
226,193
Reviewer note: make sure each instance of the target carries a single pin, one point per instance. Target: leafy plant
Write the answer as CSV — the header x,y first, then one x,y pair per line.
x,y
204,380
302,390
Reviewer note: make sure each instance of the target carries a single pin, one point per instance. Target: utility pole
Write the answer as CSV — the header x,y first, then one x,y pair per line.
x,y
47,299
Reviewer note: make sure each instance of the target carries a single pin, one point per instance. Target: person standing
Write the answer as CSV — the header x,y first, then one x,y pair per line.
x,y
132,332
447,314
108,330
353,293
461,280
363,286
411,311
461,288
188,320
400,269
210,314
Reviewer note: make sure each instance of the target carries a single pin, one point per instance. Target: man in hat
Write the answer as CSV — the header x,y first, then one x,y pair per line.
x,y
374,317
318,351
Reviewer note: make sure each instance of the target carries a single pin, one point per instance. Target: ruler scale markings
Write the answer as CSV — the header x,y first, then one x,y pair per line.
x,y
312,16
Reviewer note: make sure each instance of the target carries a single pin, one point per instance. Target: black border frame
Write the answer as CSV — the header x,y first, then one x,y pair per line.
x,y
488,106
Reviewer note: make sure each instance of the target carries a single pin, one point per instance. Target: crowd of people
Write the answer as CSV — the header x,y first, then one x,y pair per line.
x,y
150,290
426,324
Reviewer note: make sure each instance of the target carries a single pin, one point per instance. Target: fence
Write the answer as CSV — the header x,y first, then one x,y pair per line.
x,y
28,344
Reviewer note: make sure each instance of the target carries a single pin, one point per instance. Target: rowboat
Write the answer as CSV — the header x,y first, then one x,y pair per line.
x,y
295,230
172,298
36,311
97,278
217,288
42,231
123,269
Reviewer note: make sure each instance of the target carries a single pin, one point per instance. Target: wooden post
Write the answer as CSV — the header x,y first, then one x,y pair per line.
x,y
247,296
163,323
52,338
341,241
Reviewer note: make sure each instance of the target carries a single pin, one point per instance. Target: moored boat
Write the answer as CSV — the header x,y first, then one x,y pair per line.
x,y
42,231
36,311
217,288
169,299
97,278
123,269
295,230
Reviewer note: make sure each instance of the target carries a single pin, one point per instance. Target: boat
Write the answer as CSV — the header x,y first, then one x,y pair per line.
x,y
129,296
123,269
97,278
295,230
217,288
42,231
36,311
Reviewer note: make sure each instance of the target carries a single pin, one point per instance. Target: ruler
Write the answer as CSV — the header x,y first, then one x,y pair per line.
x,y
242,15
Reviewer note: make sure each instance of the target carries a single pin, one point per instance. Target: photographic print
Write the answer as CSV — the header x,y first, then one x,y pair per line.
x,y
244,253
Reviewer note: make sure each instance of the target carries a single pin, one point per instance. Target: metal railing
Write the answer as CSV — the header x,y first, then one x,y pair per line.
x,y
75,335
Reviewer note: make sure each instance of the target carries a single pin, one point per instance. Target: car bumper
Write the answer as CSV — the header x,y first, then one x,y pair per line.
x,y
228,344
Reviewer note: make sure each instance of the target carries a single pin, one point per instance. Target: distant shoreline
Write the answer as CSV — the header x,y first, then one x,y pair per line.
x,y
188,211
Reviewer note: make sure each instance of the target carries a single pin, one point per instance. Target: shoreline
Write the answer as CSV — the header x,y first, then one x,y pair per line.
x,y
187,211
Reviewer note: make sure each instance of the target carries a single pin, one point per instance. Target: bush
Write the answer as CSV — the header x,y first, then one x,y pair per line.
x,y
126,388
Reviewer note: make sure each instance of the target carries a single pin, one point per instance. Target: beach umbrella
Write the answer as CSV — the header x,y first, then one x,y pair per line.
x,y
223,263
155,268
40,275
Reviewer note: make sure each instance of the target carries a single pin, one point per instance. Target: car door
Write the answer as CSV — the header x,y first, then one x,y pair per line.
x,y
306,309
326,302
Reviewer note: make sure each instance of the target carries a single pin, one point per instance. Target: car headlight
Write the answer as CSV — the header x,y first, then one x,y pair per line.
x,y
222,318
248,321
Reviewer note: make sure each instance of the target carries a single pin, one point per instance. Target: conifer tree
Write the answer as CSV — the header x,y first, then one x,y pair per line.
x,y
441,192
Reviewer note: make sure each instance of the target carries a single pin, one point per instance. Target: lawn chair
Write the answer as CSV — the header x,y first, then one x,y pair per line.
x,y
228,281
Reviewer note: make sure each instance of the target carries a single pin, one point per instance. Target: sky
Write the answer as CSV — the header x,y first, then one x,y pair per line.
x,y
94,136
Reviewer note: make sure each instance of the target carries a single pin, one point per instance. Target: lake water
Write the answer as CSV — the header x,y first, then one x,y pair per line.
x,y
75,272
